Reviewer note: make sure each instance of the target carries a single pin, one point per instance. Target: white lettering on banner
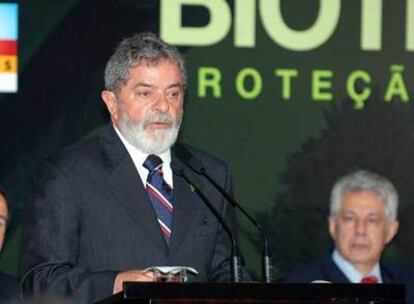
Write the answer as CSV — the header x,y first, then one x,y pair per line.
x,y
409,26
245,23
173,32
371,23
313,37
270,12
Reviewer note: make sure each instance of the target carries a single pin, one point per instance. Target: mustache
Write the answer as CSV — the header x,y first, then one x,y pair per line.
x,y
163,118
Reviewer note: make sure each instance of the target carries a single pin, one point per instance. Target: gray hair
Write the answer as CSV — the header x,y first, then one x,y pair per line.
x,y
365,181
134,50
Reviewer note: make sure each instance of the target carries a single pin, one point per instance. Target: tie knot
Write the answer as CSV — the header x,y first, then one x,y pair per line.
x,y
369,280
153,162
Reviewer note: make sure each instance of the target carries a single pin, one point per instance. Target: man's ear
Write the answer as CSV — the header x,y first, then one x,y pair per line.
x,y
111,103
392,230
332,226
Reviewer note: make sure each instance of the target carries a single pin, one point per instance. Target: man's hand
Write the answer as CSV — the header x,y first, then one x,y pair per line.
x,y
132,276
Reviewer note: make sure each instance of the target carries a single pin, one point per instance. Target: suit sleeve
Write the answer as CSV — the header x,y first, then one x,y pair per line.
x,y
51,243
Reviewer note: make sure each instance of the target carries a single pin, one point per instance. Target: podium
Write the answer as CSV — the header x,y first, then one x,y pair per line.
x,y
254,293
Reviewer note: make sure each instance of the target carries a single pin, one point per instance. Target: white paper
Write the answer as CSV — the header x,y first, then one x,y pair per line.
x,y
172,269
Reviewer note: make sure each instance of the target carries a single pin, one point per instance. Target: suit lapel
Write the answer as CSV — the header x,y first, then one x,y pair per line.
x,y
125,183
332,272
185,207
386,274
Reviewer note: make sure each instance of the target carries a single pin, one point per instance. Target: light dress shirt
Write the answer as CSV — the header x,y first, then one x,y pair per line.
x,y
349,270
138,157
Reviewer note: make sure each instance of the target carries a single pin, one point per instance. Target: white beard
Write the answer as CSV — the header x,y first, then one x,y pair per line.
x,y
136,133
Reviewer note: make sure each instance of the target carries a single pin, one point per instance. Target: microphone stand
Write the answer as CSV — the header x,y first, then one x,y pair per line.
x,y
235,264
266,257
196,165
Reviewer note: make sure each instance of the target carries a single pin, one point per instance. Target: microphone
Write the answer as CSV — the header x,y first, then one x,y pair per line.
x,y
196,165
235,264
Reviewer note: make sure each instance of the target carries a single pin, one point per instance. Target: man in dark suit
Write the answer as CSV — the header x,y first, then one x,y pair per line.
x,y
102,211
8,283
362,221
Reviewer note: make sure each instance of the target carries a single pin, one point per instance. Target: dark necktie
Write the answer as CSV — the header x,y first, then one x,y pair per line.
x,y
160,194
369,280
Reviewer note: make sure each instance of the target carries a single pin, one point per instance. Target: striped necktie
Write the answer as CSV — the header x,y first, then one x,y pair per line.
x,y
160,194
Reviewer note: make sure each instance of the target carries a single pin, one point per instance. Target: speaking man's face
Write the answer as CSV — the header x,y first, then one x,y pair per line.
x,y
361,230
148,108
4,214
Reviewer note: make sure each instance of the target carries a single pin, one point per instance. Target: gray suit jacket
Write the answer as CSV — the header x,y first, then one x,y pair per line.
x,y
89,218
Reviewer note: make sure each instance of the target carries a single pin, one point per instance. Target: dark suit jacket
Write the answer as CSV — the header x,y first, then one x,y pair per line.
x,y
325,269
90,218
8,287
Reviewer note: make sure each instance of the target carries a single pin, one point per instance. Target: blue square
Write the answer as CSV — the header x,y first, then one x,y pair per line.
x,y
8,21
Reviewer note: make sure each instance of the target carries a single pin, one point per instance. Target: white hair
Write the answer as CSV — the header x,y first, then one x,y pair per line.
x,y
365,181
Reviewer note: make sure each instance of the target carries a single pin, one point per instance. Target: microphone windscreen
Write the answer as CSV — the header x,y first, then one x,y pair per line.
x,y
197,165
176,168
189,159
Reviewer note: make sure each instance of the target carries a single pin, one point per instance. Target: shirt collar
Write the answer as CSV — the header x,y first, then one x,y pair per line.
x,y
138,157
138,154
353,275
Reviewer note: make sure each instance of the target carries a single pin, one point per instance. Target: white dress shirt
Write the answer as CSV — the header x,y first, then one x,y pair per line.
x,y
138,157
349,270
